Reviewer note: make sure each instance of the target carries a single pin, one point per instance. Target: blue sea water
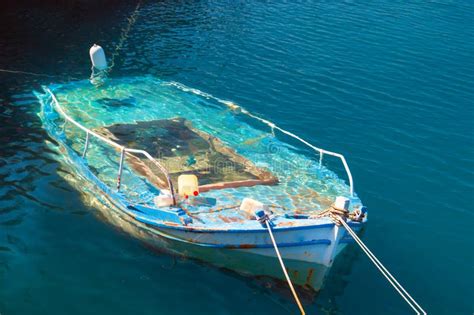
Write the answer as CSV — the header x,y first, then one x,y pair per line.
x,y
388,84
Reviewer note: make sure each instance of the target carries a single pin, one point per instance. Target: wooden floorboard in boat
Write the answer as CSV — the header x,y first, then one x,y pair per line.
x,y
183,149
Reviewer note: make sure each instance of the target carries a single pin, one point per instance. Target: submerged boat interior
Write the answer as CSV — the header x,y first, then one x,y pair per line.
x,y
209,165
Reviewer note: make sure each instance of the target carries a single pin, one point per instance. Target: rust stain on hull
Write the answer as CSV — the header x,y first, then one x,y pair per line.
x,y
295,274
246,246
309,278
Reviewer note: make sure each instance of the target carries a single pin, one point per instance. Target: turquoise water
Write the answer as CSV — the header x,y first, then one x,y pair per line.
x,y
389,85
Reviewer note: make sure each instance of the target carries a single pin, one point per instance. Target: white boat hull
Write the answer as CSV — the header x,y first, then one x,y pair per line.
x,y
307,265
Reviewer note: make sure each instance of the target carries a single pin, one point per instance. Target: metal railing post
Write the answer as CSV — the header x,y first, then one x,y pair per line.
x,y
119,177
86,145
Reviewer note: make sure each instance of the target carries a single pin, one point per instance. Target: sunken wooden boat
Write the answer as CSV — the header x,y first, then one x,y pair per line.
x,y
196,176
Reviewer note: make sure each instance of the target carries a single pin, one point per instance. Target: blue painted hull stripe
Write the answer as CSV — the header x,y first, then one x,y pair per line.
x,y
244,246
280,245
262,230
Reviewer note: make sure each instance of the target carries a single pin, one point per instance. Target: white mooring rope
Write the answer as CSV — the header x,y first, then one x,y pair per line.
x,y
36,74
404,294
283,267
124,35
28,73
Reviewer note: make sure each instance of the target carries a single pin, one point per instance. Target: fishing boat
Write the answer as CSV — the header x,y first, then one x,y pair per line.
x,y
204,178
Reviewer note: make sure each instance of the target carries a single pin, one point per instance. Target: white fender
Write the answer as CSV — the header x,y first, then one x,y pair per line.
x,y
98,57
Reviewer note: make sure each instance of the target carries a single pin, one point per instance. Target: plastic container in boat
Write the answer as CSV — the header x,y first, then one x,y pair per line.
x,y
188,185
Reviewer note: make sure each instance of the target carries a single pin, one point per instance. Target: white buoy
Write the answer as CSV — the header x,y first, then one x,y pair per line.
x,y
98,57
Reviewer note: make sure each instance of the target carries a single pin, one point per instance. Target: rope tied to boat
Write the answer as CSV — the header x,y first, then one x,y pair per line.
x,y
335,214
340,216
124,35
55,76
265,220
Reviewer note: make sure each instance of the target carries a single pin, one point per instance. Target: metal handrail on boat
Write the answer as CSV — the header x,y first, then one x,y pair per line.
x,y
122,149
319,150
242,110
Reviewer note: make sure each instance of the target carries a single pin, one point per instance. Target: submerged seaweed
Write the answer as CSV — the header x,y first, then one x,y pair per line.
x,y
112,102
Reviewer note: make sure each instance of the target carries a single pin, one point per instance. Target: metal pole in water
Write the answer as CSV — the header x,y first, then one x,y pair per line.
x,y
119,177
86,145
